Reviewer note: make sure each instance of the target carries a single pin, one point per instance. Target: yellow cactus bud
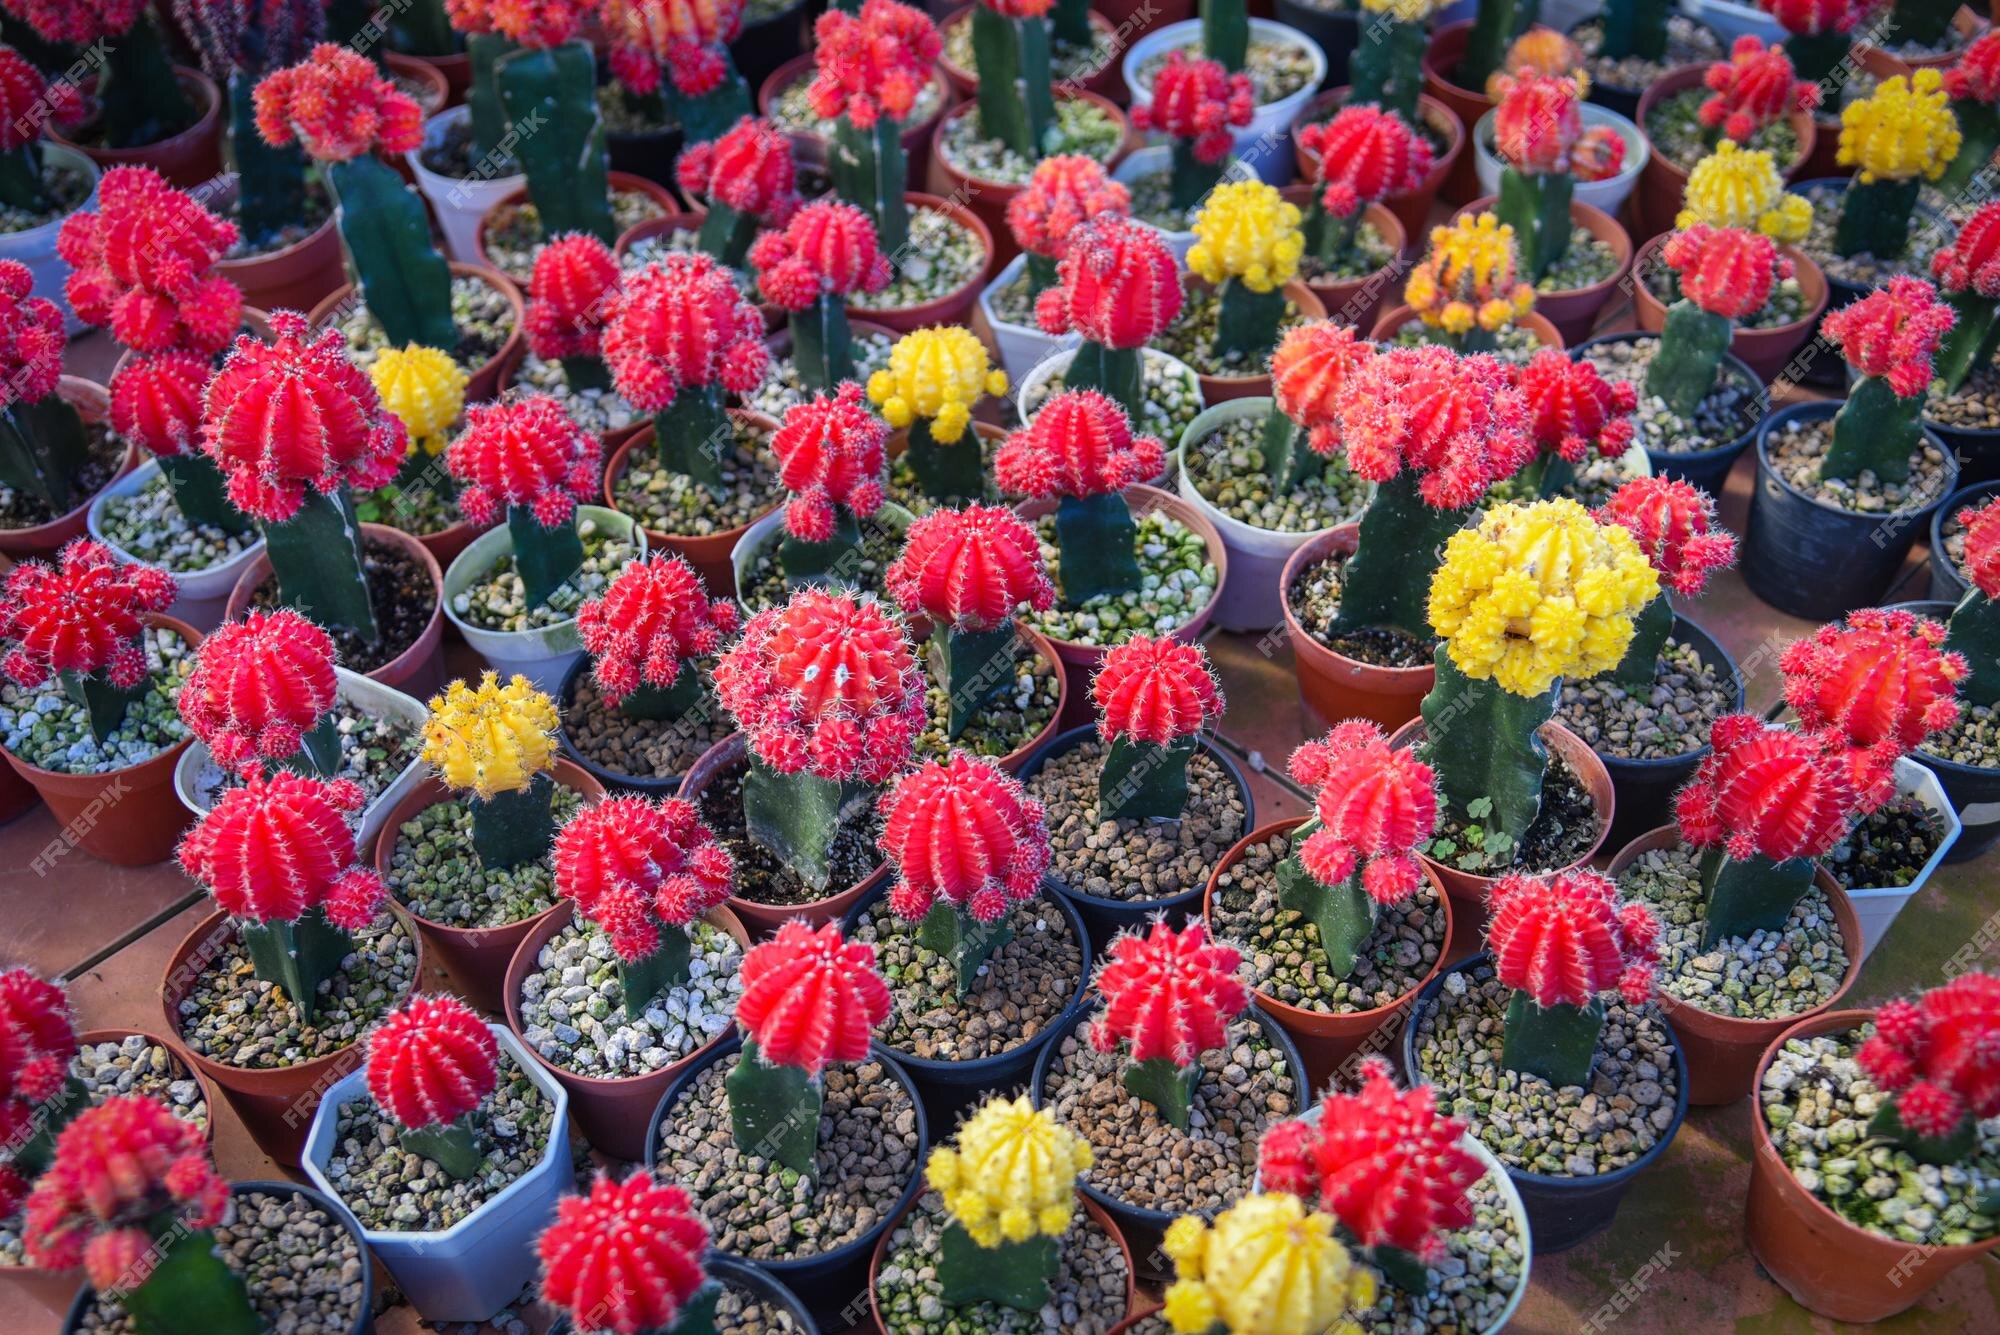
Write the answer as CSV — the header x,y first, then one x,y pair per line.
x,y
1538,592
937,373
492,739
1266,1266
1469,277
1012,1175
1247,231
1907,129
1741,187
424,387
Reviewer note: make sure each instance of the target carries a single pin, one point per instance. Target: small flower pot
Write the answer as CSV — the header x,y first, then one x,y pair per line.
x,y
1334,686
1764,351
1825,1263
1606,195
1645,788
1356,301
953,307
1440,63
1103,917
747,1278
987,199
455,68
1337,32
200,596
186,159
617,183
93,403
1887,65
36,246
1562,1211
1217,389
965,80
1623,100
296,277
1045,370
916,138
1947,582
1821,366
611,781
459,202
1707,469
768,529
1016,761
709,554
1263,144
1819,561
484,381
436,90
1574,313
1877,906
1023,347
1413,207
1663,183
542,654
1972,791
1534,322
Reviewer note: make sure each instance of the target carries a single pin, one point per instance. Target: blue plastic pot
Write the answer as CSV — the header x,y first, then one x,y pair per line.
x,y
1562,1211
1707,469
1974,790
1645,788
738,1275
1946,584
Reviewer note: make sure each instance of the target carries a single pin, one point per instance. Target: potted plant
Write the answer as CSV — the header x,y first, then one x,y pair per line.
x,y
747,181
1195,104
1955,753
826,254
690,43
1365,155
934,379
1221,1271
1581,425
1633,43
425,389
1844,488
462,159
1973,84
1117,287
571,293
1467,294
832,462
96,664
1914,33
43,182
1062,194
1970,284
449,1149
1246,253
1387,68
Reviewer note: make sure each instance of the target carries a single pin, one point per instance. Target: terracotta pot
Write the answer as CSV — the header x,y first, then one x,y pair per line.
x,y
916,138
1884,65
92,403
689,219
920,631
1574,312
17,795
1413,207
1333,686
1133,19
437,88
709,553
989,199
613,1114
1441,59
1221,388
455,68
445,545
1765,351
1467,891
484,382
1081,660
1357,301
128,817
1661,183
1546,334
293,278
764,919
1327,1041
419,669
186,159
1102,81
275,1105
1827,1264
619,183
476,958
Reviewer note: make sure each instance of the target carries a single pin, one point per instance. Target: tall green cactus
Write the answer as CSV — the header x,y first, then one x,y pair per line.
x,y
822,346
1875,430
1972,340
200,493
1225,33
316,555
550,96
1974,630
1536,206
404,280
1979,124
270,182
1493,31
140,96
869,171
1387,66
1016,97
709,116
1635,28
1386,584
692,434
1745,895
1484,744
1875,218
491,140
1070,22
190,1290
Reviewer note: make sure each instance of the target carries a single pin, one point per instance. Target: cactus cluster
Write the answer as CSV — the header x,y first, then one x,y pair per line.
x,y
1169,996
1755,88
626,1257
1467,285
1973,85
1896,140
1938,1058
1196,103
1365,154
1264,1266
1974,629
1573,412
38,1095
1889,338
934,378
750,182
570,294
430,1063
828,252
1676,527
28,102
1968,276
143,265
1153,698
81,621
1062,194
527,460
1117,288
1248,244
1740,187
1009,1186
262,690
690,40
871,65
1876,687
496,744
644,632
832,460
43,449
1726,276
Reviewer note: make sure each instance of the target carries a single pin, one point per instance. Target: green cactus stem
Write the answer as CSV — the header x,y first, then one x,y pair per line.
x,y
1745,895
449,1146
1401,1268
1557,1043
1386,585
200,493
711,115
774,1111
1971,341
1485,746
1821,57
1979,124
141,99
550,96
726,233
973,666
42,449
1016,95
1650,631
1097,547
103,704
1974,630
950,473
1493,31
822,349
491,135
669,704
666,968
1956,1148
1225,33
693,433
319,751
404,280
1388,66
1168,1087
1288,458
21,179
1042,276
796,818
1537,207
1069,21
870,170
416,27
1246,322
1924,22
546,559
819,564
1020,1275
1345,915
698,1313
1329,238
581,373
34,1153
270,182
1191,179
1875,218
297,956
1144,780
1874,430
510,829
191,1291
1635,28
1117,373
316,555
964,941
1689,358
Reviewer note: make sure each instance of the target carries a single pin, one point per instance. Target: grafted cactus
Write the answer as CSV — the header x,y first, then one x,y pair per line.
x,y
1897,139
749,180
42,445
528,461
1573,412
1153,699
1973,85
1726,276
142,266
238,44
1968,274
496,745
1537,126
1308,371
1265,1266
1740,187
82,621
1753,90
1939,1059
831,460
571,292
27,103
1676,526
1365,154
1063,194
38,1095
1876,687
1495,29
262,690
644,634
431,1062
547,88
1467,286
690,39
1820,34
1118,287
1169,996
1010,51
1889,338
139,100
1196,102
1247,242
1974,630
933,379
872,65
1009,1185
827,252
626,1257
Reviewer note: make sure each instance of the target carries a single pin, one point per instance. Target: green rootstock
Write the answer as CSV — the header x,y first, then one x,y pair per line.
x,y
103,704
774,1111
1246,321
404,280
1537,208
1875,218
1971,342
1388,66
1165,1084
819,564
1499,22
1689,357
1020,1275
1635,28
974,666
1386,585
1556,1043
42,450
1745,895
270,182
141,100
964,941
1117,373
200,493
870,169
668,704
514,827
492,138
643,980
1974,630
1650,631
546,558
1016,95
1875,430
1097,547
796,817
550,97
316,555
1483,743
822,349
692,435
448,1145
1344,914
1191,179
950,472
1144,780
711,115
297,956
1225,33
191,1291
1979,124
1288,458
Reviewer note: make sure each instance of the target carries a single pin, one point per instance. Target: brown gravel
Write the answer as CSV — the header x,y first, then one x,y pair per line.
x,y
642,747
1688,696
1799,445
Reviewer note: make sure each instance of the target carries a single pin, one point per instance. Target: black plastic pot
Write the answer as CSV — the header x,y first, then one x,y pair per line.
x,y
1645,788
1337,32
1707,469
1978,452
949,1088
832,1280
1974,790
1562,1211
736,1274
612,780
1105,918
1815,560
651,155
1947,585
763,46
364,1321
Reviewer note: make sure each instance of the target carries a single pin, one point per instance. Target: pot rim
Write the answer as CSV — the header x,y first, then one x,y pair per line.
x,y
95,401
1801,263
1317,548
1695,19
334,301
642,437
1969,495
1586,215
1224,412
1826,408
1065,353
1008,189
227,187
1429,110
616,182
1166,39
609,779
472,633
1738,444
35,774
205,120
1393,318
1641,766
1628,172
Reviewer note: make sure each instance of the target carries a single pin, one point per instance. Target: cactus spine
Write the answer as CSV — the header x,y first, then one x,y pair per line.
x,y
82,622
1168,998
430,1063
1889,338
1009,1185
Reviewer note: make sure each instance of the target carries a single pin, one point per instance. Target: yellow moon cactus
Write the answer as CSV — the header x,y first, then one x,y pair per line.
x,y
1740,187
1264,1267
1470,278
1905,130
490,739
1248,232
1013,1174
422,386
938,374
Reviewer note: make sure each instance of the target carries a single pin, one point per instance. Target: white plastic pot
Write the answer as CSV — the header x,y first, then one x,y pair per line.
x,y
1606,194
1022,346
196,775
1265,144
200,596
1048,366
542,654
1159,159
767,530
1732,20
1877,908
471,1270
459,202
36,247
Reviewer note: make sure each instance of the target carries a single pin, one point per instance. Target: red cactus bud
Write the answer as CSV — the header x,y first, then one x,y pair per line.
x,y
1726,271
540,23
83,615
1382,1161
810,998
1599,154
681,324
964,832
37,1041
1156,691
1311,364
873,64
142,266
259,685
655,616
524,452
828,249
1375,807
431,1062
1080,444
1976,76
1766,792
116,1167
1982,547
636,867
1893,333
1572,409
749,169
28,101
336,104
281,844
1676,526
1538,121
156,401
1940,1054
78,24
626,1257
296,413
1753,89
1117,285
1565,938
1812,17
1971,263
1168,994
685,35
1365,154
1197,100
827,683
569,296
1879,686
1457,421
970,569
31,336
830,453
1064,193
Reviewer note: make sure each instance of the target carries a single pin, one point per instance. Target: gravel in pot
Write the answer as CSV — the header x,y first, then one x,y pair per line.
x,y
1688,43
645,748
598,411
514,236
1277,67
1088,1289
1192,335
1176,580
1671,719
664,501
1799,444
761,877
103,452
1864,270
498,599
1515,344
1732,407
44,727
1173,394
1004,724
484,315
373,752
942,256
1315,601
148,526
438,876
881,543
1889,847
573,1005
1673,126
1227,469
782,386
401,593
1563,831
791,109
1973,740
1081,126
65,185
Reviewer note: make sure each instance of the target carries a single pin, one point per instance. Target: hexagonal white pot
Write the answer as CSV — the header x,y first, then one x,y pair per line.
x,y
1878,907
200,596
